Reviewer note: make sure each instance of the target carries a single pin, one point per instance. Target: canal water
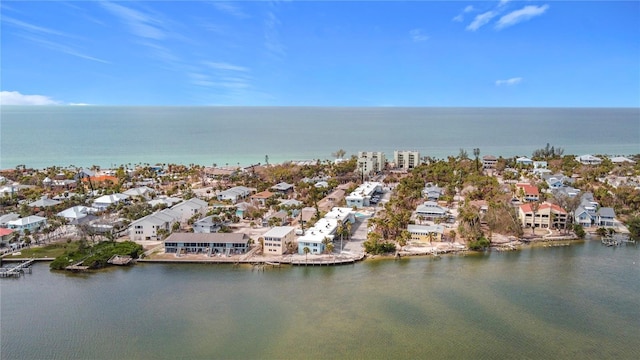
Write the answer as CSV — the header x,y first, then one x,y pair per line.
x,y
575,302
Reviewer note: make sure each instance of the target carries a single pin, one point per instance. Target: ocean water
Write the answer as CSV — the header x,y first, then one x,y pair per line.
x,y
108,136
575,302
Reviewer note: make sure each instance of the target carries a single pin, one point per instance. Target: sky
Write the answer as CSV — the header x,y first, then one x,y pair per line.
x,y
321,53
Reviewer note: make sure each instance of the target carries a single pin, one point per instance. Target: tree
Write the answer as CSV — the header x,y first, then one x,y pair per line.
x,y
306,251
339,154
534,209
476,154
633,224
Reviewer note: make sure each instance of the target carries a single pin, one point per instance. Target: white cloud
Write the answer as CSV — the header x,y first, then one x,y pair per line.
x,y
140,24
230,9
509,82
418,35
272,34
16,98
460,17
225,66
469,8
523,14
481,20
503,2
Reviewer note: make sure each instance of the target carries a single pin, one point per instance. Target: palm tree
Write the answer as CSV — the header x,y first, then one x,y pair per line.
x,y
534,208
306,253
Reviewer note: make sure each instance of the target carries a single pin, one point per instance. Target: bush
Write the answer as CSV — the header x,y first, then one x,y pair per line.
x,y
479,244
579,231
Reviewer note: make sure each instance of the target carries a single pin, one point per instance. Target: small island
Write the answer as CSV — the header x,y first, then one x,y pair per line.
x,y
315,212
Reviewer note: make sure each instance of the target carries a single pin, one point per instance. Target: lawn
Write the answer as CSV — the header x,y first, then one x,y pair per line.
x,y
47,251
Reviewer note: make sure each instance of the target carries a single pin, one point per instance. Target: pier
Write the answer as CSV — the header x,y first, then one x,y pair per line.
x,y
16,270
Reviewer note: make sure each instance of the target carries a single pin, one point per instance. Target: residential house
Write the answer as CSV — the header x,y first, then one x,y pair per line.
x,y
141,192
588,159
527,192
32,223
277,240
406,159
325,228
547,215
147,227
432,192
426,233
4,219
234,194
261,198
525,161
606,217
191,208
489,162
280,218
5,235
306,214
76,214
430,210
167,201
361,196
103,202
43,202
282,188
242,208
209,224
210,244
583,217
621,160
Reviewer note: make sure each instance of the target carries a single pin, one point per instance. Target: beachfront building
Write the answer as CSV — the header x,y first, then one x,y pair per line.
x,y
278,239
325,230
103,202
32,223
606,217
361,196
489,162
406,159
430,210
151,227
371,162
234,194
425,233
190,208
524,161
210,244
547,215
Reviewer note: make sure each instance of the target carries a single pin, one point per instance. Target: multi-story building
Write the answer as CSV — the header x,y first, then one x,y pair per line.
x,y
371,162
361,196
545,216
278,239
406,159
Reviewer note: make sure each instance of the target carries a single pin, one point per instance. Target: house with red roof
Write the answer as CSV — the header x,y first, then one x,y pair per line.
x,y
527,192
546,215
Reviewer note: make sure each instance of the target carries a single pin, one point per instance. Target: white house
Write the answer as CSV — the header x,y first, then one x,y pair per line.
x,y
144,192
431,210
103,202
32,223
524,161
190,208
147,227
209,224
588,159
234,194
361,196
75,213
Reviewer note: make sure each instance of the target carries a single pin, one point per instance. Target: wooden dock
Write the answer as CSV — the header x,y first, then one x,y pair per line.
x,y
120,260
17,270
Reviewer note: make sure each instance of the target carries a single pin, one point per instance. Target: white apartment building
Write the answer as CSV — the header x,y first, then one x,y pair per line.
x,y
371,162
277,239
407,159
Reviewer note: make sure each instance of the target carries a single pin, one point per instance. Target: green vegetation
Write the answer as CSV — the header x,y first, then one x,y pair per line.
x,y
48,251
95,256
479,244
579,231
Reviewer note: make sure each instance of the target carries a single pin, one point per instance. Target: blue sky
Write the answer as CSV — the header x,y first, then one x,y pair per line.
x,y
321,53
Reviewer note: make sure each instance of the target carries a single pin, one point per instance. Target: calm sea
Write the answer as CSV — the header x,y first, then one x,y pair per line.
x,y
576,302
106,136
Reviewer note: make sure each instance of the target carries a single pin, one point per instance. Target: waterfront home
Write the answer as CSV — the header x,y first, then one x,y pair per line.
x,y
188,209
361,196
234,194
324,230
425,233
588,159
32,223
261,198
209,224
282,188
430,210
583,217
277,240
307,214
605,217
489,162
621,160
147,227
103,202
527,192
210,244
547,215
342,215
406,159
